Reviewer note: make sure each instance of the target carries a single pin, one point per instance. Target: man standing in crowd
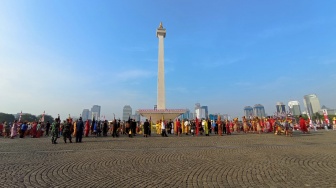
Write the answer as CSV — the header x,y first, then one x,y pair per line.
x,y
79,130
23,129
55,126
146,128
67,131
47,128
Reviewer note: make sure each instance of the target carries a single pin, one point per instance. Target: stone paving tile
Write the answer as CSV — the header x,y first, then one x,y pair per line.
x,y
241,160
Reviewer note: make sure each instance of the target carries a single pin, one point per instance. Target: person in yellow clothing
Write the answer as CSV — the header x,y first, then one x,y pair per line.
x,y
158,128
75,129
186,127
206,127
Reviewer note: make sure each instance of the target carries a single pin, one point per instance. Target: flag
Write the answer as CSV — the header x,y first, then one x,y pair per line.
x,y
42,117
20,116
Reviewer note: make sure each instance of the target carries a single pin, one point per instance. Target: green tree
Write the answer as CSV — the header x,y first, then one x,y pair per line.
x,y
46,118
6,117
28,118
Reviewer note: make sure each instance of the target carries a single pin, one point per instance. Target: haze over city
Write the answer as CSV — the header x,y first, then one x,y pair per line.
x,y
64,56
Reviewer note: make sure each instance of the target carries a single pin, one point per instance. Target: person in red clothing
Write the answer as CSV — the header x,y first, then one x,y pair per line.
x,y
87,128
178,127
303,126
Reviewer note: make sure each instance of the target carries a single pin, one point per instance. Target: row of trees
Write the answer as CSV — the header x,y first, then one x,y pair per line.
x,y
25,117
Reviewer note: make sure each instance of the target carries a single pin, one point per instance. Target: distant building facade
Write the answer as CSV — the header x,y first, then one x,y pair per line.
x,y
259,111
294,108
280,108
95,112
312,104
127,112
85,114
201,112
248,111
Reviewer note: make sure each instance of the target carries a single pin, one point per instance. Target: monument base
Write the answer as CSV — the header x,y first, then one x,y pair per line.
x,y
156,115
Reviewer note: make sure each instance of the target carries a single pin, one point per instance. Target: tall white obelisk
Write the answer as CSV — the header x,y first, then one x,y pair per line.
x,y
161,98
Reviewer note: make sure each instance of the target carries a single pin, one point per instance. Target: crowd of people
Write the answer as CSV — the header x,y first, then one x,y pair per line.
x,y
196,127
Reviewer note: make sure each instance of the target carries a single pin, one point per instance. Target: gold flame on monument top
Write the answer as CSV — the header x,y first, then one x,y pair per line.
x,y
160,26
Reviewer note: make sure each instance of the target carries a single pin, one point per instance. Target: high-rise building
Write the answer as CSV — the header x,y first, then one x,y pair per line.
x,y
280,108
127,112
248,111
95,112
206,112
294,108
312,104
85,114
201,111
259,111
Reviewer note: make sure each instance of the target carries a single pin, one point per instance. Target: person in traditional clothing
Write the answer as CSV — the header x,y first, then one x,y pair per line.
x,y
257,122
206,128
1,128
219,123
14,129
186,127
178,127
146,128
158,127
74,124
227,127
33,130
87,128
38,130
303,125
245,126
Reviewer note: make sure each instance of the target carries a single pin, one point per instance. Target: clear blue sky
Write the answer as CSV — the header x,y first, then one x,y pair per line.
x,y
63,56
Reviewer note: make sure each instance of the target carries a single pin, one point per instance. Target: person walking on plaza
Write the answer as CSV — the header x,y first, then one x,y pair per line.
x,y
14,129
87,128
220,128
79,130
67,131
303,125
206,127
163,129
105,128
55,127
1,128
47,128
146,128
23,129
7,130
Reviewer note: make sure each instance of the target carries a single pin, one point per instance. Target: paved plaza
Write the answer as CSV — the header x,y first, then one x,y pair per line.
x,y
229,161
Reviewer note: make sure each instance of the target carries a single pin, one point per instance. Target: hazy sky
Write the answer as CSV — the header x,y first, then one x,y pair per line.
x,y
63,56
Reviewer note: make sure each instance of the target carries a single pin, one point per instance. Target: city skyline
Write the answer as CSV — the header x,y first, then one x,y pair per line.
x,y
63,59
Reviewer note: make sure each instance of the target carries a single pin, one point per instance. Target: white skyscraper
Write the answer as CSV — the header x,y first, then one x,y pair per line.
x,y
312,104
294,108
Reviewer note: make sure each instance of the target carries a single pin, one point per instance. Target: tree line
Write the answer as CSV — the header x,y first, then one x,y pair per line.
x,y
25,117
